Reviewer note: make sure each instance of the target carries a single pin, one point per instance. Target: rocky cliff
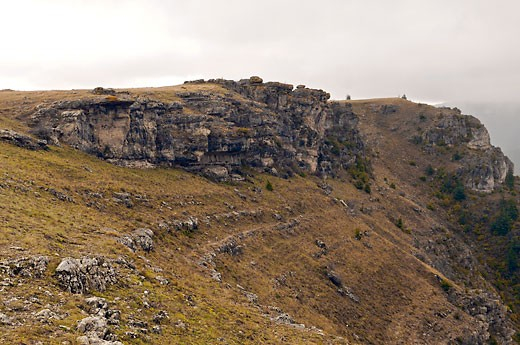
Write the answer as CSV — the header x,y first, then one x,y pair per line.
x,y
270,126
484,167
344,222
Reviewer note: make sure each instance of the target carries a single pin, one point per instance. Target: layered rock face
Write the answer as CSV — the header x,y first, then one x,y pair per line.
x,y
486,166
271,126
266,125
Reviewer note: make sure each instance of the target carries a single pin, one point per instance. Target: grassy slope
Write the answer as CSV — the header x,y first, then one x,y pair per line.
x,y
399,297
35,220
407,163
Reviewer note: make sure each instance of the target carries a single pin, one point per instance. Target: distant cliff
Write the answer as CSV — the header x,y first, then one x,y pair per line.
x,y
484,167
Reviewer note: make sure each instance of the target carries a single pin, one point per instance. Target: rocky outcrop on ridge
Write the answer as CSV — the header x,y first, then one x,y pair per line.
x,y
486,167
270,126
488,310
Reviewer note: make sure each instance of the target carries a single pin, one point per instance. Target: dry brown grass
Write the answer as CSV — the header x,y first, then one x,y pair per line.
x,y
399,297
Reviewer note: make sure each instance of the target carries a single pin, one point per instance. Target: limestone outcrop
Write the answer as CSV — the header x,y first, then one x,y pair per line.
x,y
28,267
485,167
22,140
85,274
270,126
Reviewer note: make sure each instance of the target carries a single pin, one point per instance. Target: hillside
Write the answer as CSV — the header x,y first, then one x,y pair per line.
x,y
251,213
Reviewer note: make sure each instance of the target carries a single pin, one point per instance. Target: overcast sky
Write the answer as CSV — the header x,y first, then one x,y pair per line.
x,y
431,50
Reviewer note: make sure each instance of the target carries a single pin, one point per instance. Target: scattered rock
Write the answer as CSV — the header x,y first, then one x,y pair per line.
x,y
345,291
162,280
327,189
215,275
46,315
124,198
96,332
85,274
231,247
95,327
321,244
323,249
278,217
251,297
188,225
6,320
217,173
160,316
286,319
140,238
138,324
335,279
60,195
28,267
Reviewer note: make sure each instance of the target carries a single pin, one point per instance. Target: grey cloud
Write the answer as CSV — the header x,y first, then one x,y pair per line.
x,y
440,50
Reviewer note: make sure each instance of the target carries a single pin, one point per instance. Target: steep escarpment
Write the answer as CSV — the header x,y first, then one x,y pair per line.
x,y
358,222
271,125
484,167
246,123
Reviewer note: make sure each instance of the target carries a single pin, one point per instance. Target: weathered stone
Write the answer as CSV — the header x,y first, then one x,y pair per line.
x,y
160,316
489,310
28,267
321,244
85,274
278,127
22,140
102,91
483,171
6,320
335,279
256,80
162,280
188,225
60,195
218,173
139,239
96,305
94,326
232,248
46,315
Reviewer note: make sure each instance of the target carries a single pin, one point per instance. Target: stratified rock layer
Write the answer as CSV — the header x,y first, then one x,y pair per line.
x,y
268,125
